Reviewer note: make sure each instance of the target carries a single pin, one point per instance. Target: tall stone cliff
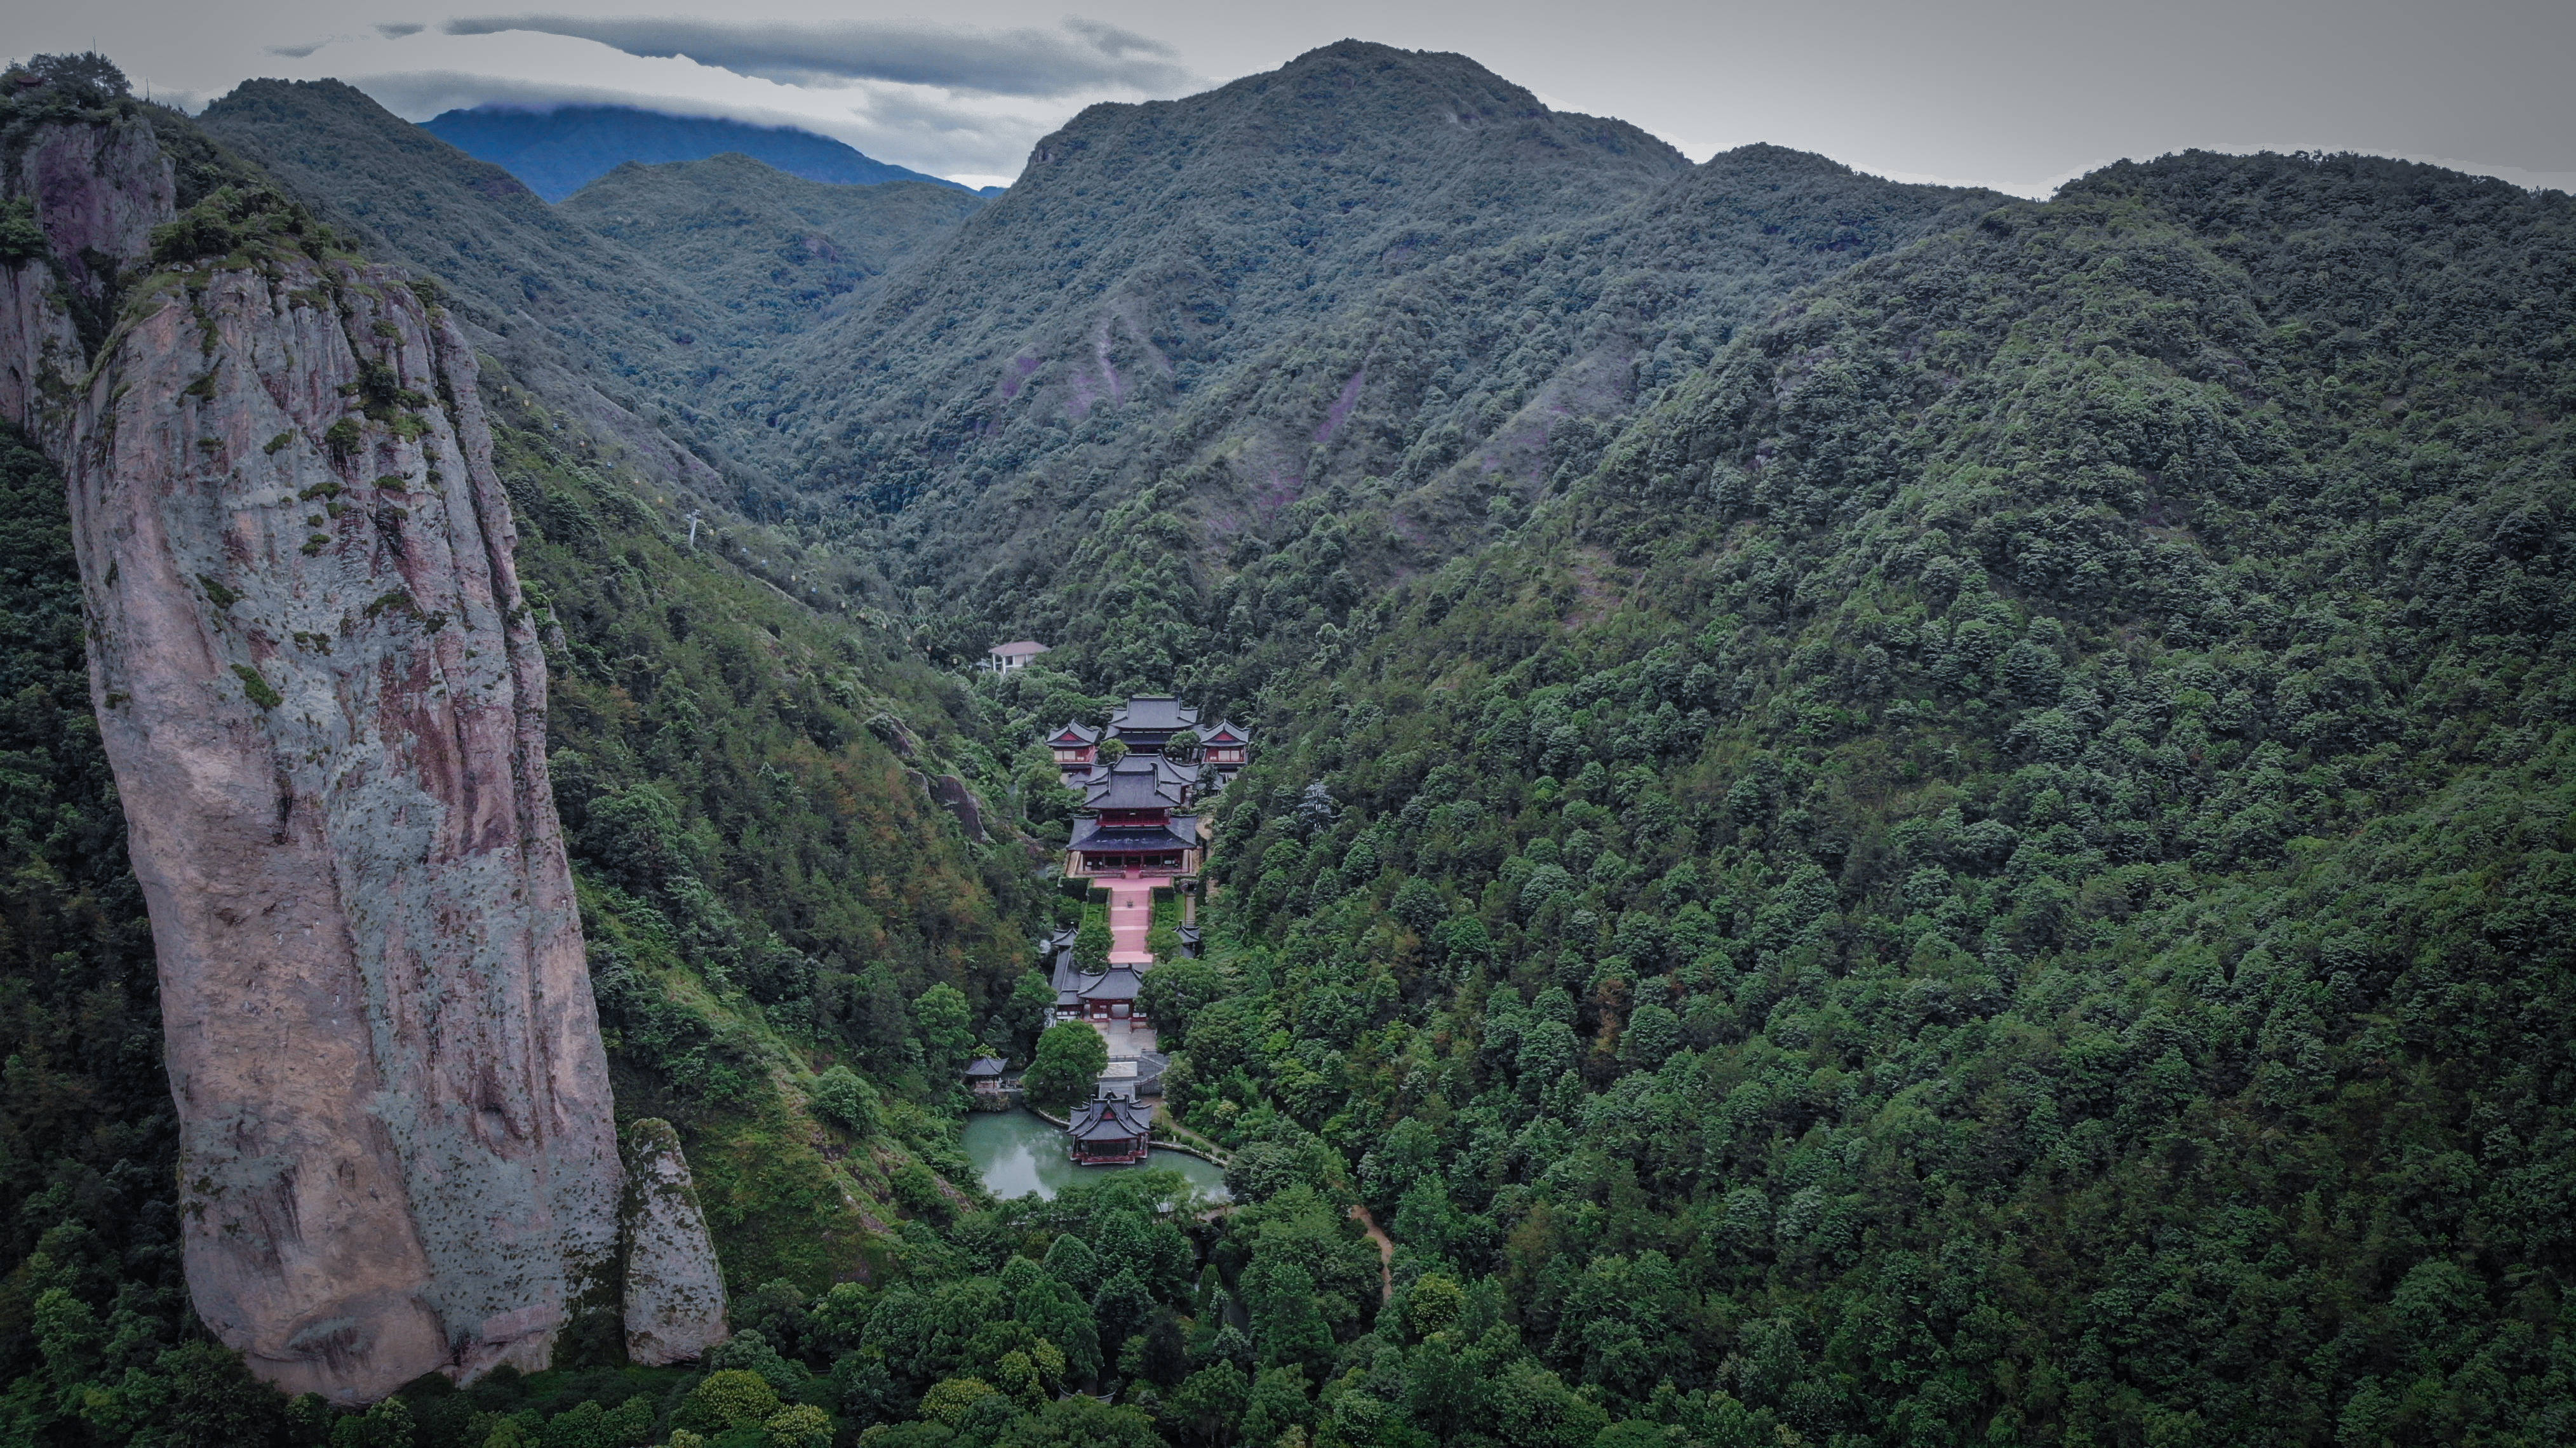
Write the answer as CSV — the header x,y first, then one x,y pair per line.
x,y
325,705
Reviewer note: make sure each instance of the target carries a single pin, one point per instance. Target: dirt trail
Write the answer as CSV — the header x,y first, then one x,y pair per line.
x,y
1385,1252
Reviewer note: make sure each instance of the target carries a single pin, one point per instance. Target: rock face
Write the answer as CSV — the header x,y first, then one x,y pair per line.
x,y
675,1300
325,707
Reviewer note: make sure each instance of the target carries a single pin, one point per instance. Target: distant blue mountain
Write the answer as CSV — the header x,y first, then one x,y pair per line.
x,y
558,152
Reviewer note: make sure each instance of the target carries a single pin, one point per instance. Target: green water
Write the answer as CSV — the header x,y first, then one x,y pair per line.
x,y
1016,1153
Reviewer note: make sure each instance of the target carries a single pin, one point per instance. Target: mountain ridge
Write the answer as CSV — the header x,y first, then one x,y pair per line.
x,y
558,150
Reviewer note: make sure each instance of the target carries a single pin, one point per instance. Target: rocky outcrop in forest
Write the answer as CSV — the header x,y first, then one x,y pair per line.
x,y
324,702
675,1299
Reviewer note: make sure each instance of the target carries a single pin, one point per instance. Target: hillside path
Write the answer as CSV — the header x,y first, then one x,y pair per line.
x,y
1385,1252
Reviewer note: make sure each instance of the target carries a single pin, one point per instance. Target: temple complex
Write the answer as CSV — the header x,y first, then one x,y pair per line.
x,y
1139,830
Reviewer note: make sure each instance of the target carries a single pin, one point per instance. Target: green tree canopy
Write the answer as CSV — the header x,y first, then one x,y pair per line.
x,y
1069,1060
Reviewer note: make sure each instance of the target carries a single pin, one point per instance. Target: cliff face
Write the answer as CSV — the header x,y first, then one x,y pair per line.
x,y
324,703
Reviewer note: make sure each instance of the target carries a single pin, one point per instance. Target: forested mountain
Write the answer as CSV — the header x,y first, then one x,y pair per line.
x,y
2002,871
558,151
1371,267
1882,815
768,246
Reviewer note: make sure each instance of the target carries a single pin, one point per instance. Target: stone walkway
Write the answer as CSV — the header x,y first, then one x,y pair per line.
x,y
1131,915
1125,1039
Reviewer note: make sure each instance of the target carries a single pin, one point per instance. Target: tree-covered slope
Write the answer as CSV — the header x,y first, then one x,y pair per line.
x,y
559,151
1430,419
1149,246
775,250
2003,871
1375,270
605,330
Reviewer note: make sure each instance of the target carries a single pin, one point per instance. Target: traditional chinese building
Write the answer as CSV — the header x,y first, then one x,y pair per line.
x,y
1077,749
1108,1131
1111,995
1134,822
1146,722
984,1075
1225,749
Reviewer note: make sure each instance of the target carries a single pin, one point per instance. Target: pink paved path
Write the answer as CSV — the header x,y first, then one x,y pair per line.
x,y
1131,915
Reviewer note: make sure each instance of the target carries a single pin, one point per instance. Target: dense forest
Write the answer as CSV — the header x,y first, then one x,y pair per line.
x,y
1882,816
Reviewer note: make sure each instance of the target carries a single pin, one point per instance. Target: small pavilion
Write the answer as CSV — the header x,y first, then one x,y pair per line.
x,y
1107,1131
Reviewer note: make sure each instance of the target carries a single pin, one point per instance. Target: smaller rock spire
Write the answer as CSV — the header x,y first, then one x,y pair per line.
x,y
675,1296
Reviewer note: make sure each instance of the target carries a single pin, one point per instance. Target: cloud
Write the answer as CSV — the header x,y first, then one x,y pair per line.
x,y
907,127
297,52
397,32
1083,56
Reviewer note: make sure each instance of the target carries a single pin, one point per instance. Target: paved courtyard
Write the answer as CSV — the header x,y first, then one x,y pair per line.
x,y
1125,1038
1131,917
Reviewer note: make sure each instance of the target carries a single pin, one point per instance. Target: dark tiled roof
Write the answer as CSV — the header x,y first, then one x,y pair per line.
x,y
1118,983
986,1066
1133,789
1226,733
1150,1066
1154,714
1057,951
1089,835
1111,1120
1075,733
1024,648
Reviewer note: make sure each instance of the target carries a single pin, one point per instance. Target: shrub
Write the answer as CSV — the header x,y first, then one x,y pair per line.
x,y
726,1399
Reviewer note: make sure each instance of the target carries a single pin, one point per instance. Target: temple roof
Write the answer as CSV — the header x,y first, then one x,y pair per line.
x,y
1181,834
1118,983
1057,950
983,1067
1154,714
1074,733
1107,1119
1145,787
1225,733
1023,649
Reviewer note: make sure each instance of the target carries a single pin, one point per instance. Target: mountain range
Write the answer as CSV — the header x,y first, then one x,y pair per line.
x,y
559,150
1880,814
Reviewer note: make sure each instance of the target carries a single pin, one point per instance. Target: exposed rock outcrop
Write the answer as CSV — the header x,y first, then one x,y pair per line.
x,y
675,1298
325,706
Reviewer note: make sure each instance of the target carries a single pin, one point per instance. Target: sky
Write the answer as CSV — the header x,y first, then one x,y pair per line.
x,y
2019,95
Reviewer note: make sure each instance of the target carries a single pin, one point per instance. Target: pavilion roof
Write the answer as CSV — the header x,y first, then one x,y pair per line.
x,y
1118,983
1110,1119
1154,713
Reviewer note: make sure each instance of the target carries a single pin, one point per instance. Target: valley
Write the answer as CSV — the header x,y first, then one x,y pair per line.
x,y
1854,812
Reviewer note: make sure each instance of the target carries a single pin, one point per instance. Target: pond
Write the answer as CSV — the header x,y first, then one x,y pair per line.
x,y
1016,1153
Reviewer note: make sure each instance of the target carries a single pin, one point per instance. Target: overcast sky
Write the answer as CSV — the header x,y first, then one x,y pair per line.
x,y
2015,94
